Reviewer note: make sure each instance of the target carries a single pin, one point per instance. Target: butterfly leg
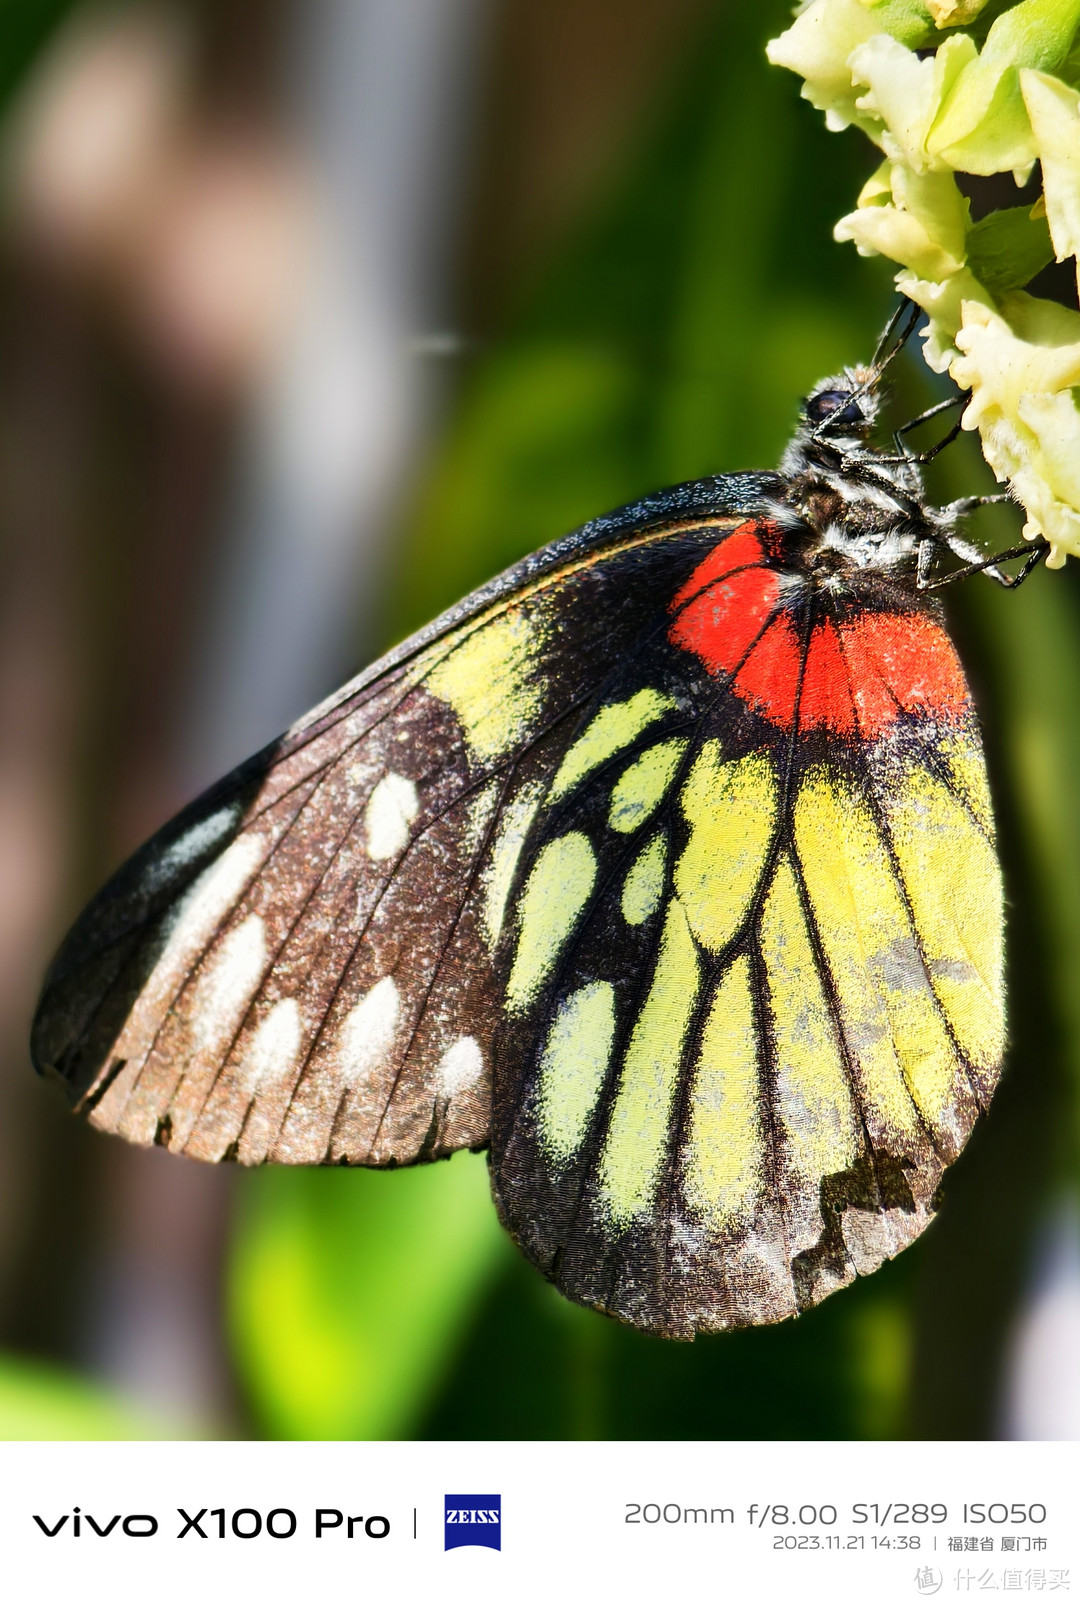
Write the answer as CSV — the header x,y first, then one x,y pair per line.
x,y
903,455
926,558
1033,553
971,504
913,423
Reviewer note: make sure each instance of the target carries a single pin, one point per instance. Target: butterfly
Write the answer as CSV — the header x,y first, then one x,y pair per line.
x,y
662,866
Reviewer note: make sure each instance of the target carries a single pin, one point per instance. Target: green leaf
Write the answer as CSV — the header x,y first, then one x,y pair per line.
x,y
350,1289
47,1403
1036,33
983,126
907,20
1007,249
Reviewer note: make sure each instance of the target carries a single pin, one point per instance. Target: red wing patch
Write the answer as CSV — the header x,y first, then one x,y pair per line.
x,y
826,690
725,603
769,679
858,675
741,549
902,661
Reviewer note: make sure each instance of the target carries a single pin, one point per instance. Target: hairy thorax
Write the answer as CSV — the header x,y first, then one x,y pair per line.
x,y
846,512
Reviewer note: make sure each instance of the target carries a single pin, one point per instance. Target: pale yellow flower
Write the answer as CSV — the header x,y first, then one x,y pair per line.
x,y
1054,110
942,301
983,126
999,368
969,110
901,95
1022,405
817,47
920,220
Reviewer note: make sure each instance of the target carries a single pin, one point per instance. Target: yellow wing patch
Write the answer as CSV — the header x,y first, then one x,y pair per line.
x,y
644,884
816,1106
506,851
640,788
637,1138
900,1046
731,809
725,1161
491,683
555,893
967,768
573,1067
953,883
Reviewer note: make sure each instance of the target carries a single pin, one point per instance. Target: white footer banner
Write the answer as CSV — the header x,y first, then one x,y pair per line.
x,y
562,1522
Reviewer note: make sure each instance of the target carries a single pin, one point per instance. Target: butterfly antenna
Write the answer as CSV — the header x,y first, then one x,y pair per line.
x,y
906,309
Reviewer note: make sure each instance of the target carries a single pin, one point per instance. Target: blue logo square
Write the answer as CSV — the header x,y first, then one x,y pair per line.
x,y
473,1519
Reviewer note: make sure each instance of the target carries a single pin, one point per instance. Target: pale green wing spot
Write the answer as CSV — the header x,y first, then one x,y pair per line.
x,y
490,681
555,893
726,1153
574,1065
498,876
889,1013
478,811
613,728
640,788
644,884
637,1137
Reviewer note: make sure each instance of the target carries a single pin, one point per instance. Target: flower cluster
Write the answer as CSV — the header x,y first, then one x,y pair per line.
x,y
977,87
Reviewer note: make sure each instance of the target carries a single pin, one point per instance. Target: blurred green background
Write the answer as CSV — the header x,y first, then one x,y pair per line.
x,y
658,324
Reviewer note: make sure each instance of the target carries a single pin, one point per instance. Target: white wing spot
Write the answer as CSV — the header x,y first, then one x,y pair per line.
x,y
391,809
461,1066
207,901
498,875
274,1046
224,989
367,1032
191,927
204,906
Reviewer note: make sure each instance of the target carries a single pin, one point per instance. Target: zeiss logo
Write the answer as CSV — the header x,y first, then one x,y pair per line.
x,y
473,1519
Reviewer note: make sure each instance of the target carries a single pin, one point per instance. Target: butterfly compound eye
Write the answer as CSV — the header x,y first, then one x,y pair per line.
x,y
835,405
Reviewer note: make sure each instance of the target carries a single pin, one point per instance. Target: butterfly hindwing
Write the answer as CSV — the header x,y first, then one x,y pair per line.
x,y
300,967
753,984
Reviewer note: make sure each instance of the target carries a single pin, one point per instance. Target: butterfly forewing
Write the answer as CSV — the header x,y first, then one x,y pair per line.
x,y
301,967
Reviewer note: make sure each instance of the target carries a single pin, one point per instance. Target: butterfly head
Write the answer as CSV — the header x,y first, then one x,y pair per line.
x,y
854,505
843,407
836,422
